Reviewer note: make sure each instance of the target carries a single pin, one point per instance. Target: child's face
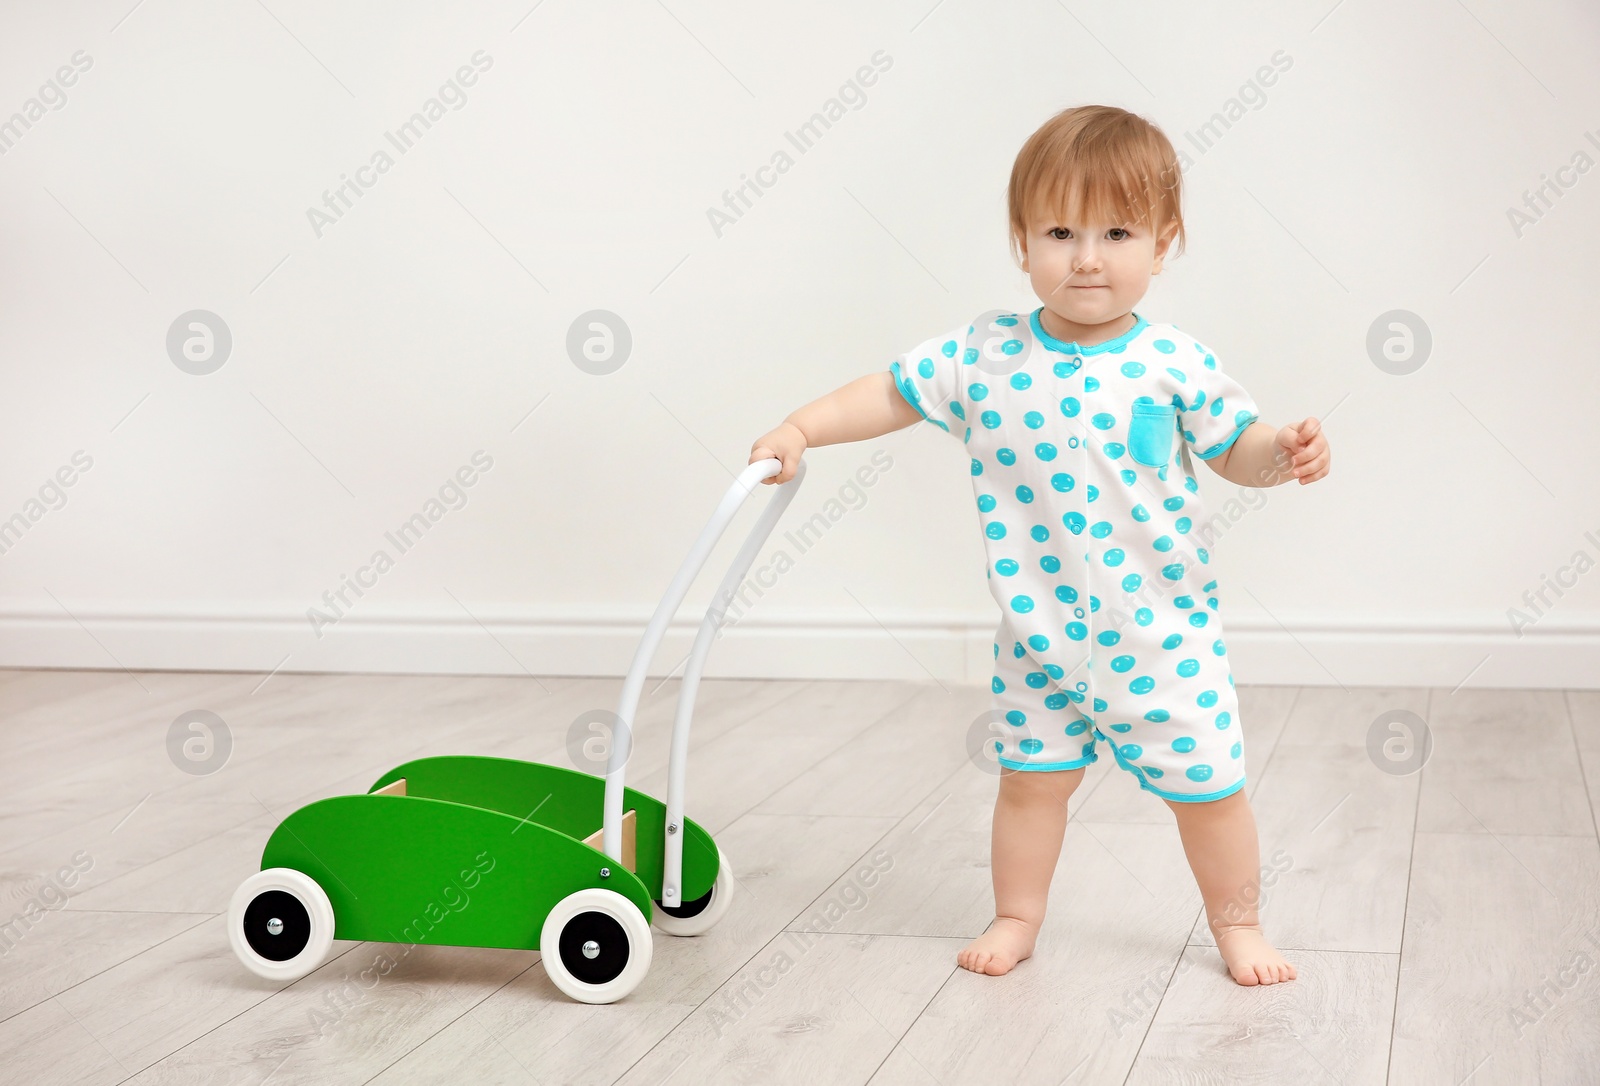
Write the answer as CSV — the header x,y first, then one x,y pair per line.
x,y
1092,272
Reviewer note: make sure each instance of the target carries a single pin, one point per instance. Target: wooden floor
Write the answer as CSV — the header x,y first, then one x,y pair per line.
x,y
1446,924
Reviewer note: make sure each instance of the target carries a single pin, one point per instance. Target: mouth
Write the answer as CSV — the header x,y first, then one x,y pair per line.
x,y
1083,286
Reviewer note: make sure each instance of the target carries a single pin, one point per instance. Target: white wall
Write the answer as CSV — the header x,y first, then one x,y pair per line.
x,y
370,363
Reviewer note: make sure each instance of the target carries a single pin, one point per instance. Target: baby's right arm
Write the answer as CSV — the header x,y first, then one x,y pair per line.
x,y
869,406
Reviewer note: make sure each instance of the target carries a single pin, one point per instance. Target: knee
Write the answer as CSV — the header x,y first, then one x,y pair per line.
x,y
1036,786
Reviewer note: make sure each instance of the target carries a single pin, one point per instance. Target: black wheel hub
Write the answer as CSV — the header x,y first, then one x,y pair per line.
x,y
276,925
594,947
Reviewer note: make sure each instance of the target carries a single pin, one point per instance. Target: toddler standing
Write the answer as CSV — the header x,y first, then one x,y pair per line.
x,y
1109,630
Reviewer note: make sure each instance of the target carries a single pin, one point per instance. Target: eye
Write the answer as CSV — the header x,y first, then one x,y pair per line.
x,y
1117,230
1060,233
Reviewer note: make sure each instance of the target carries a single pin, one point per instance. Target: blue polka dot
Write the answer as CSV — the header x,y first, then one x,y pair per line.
x,y
1103,421
1021,604
1050,563
1207,699
977,467
1198,619
1172,571
1039,532
1114,556
977,390
1198,773
1039,642
1024,494
1062,481
1045,451
1069,406
990,420
1006,456
1142,685
1183,744
1132,369
1019,381
1223,720
986,503
1006,567
995,530
1158,716
1165,346
1074,522
996,685
1031,746
1189,668
1013,346
1236,750
1144,616
1100,529
1016,718
925,367
1066,593
1163,543
1077,631
1077,727
1217,647
1036,679
1131,582
1122,663
1033,420
1132,751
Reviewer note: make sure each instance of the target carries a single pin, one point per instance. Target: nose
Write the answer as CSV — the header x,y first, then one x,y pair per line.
x,y
1088,258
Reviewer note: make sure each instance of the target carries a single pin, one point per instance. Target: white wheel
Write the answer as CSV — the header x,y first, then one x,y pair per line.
x,y
280,923
595,944
698,916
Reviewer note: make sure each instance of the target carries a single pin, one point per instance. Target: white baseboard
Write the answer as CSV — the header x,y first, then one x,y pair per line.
x,y
947,648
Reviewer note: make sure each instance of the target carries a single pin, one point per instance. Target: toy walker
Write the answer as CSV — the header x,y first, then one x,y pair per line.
x,y
494,852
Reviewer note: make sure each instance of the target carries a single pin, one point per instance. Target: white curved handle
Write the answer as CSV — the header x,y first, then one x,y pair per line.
x,y
628,703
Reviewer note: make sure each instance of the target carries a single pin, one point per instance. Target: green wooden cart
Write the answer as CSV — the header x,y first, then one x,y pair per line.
x,y
494,852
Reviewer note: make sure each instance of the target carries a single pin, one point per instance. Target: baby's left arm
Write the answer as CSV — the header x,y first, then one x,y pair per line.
x,y
1264,457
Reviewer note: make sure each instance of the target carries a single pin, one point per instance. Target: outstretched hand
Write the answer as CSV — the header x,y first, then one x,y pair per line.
x,y
1304,450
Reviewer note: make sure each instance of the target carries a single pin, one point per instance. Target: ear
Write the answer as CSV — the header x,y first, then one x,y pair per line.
x,y
1022,244
1162,244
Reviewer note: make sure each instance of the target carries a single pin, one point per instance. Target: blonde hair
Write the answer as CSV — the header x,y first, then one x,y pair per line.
x,y
1100,161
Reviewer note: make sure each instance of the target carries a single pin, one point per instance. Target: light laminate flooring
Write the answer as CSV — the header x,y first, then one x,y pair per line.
x,y
1445,923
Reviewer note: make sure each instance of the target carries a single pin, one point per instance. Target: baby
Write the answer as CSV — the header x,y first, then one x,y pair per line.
x,y
1093,523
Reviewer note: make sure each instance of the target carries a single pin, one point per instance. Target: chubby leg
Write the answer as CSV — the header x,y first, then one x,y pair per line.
x,y
1030,817
1219,837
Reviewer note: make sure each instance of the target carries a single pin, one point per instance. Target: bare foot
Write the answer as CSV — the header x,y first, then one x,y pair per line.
x,y
998,949
1250,958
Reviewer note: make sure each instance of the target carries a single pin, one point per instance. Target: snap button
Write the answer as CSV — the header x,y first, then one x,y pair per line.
x,y
1078,611
1072,443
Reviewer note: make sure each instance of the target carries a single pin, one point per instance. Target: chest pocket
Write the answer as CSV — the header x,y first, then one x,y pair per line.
x,y
1150,432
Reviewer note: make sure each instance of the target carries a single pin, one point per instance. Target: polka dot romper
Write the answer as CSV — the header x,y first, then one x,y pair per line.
x,y
1093,526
